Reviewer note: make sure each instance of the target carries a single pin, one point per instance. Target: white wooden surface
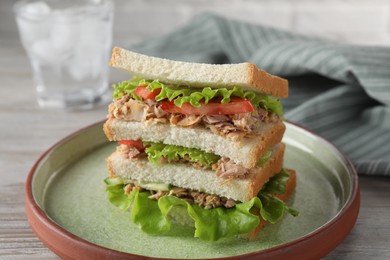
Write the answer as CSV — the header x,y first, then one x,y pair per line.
x,y
26,131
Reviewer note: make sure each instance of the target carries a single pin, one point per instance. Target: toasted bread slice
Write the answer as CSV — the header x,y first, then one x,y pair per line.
x,y
246,152
245,75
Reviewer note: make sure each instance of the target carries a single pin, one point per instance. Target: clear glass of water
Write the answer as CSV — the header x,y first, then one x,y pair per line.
x,y
68,44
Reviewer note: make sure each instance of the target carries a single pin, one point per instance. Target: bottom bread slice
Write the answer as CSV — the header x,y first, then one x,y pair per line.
x,y
186,176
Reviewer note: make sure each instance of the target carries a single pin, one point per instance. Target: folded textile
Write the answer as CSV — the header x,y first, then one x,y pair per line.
x,y
341,92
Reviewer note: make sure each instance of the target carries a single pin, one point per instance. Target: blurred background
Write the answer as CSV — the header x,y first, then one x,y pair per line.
x,y
365,22
354,21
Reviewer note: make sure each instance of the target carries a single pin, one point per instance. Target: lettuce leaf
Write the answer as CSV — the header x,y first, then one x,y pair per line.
x,y
173,153
273,207
147,214
277,184
264,158
217,223
126,88
181,95
117,196
210,224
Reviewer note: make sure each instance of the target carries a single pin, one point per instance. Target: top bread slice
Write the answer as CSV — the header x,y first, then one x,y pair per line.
x,y
200,75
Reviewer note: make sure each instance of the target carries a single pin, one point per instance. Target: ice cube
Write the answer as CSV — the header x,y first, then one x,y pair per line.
x,y
31,32
46,53
80,62
88,62
32,22
65,31
35,10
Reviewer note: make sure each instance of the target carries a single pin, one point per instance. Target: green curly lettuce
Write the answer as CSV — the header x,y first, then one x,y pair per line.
x,y
180,95
278,183
210,224
172,153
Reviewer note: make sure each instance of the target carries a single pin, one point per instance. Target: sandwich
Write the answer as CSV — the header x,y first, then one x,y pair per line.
x,y
198,145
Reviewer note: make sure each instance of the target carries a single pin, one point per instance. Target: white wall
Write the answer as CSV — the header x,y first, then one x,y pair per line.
x,y
353,21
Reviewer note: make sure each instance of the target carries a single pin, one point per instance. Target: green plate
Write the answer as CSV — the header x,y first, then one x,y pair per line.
x,y
68,194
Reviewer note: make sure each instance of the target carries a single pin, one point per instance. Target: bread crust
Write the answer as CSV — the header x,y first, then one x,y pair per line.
x,y
269,139
258,180
290,187
110,168
202,75
108,131
115,57
266,82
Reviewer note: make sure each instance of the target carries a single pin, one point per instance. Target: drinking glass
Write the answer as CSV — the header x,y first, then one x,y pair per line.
x,y
68,44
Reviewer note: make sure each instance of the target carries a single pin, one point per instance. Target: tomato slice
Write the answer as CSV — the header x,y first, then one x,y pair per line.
x,y
235,106
145,93
134,143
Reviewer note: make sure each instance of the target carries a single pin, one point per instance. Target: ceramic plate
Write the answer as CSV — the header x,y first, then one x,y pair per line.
x,y
68,209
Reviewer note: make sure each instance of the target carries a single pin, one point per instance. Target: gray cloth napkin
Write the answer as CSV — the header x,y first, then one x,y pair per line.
x,y
341,92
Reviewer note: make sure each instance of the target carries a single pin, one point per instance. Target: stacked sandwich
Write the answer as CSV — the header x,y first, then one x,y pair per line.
x,y
199,144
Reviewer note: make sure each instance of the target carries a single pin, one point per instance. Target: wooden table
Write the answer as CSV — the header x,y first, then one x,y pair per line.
x,y
27,131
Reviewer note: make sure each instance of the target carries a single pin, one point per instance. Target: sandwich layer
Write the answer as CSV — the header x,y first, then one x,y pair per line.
x,y
179,215
246,152
183,176
199,75
232,126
